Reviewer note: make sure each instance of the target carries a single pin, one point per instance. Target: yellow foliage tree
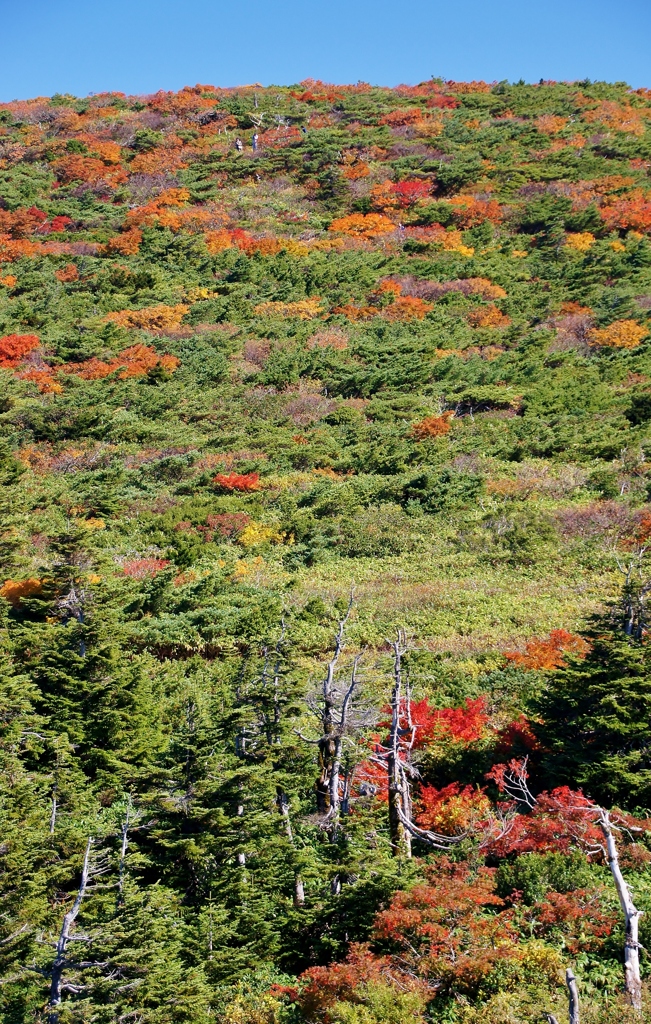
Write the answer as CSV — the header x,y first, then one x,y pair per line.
x,y
152,318
621,334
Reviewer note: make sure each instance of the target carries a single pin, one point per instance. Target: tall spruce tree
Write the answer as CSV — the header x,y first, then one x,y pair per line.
x,y
595,720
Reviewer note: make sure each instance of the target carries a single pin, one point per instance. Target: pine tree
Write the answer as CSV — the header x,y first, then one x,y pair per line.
x,y
595,717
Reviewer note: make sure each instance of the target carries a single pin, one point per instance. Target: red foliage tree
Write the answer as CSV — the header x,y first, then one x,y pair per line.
x,y
60,223
452,931
465,724
237,481
141,568
452,809
14,348
409,192
228,524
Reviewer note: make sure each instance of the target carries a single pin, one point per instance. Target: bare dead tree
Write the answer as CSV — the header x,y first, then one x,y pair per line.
x,y
123,847
282,801
91,869
513,781
327,710
241,855
342,722
632,979
402,733
341,719
573,994
129,824
396,757
635,589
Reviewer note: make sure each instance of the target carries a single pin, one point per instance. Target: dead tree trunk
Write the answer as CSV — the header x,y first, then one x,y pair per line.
x,y
395,757
399,796
60,961
632,979
573,995
282,801
53,811
342,727
241,855
123,849
513,782
329,748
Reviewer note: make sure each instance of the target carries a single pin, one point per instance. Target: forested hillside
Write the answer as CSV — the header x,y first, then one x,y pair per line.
x,y
326,512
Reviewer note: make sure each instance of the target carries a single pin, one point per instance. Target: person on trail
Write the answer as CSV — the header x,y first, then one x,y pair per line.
x,y
239,145
255,141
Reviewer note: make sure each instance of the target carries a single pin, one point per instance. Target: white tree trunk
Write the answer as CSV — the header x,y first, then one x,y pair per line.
x,y
60,960
632,979
283,807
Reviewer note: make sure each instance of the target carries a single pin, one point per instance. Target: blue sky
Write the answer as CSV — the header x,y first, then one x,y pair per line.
x,y
139,46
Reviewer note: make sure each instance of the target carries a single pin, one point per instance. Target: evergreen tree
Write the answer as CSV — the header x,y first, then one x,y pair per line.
x,y
595,720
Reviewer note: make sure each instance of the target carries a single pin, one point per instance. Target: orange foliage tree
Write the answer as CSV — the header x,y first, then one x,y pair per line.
x,y
22,222
452,809
43,378
549,653
451,930
135,361
67,274
14,348
468,211
237,481
432,426
488,316
363,225
126,244
77,167
632,212
14,590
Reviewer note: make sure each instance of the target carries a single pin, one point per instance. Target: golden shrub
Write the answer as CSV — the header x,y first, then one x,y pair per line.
x,y
580,240
304,309
14,590
621,334
153,318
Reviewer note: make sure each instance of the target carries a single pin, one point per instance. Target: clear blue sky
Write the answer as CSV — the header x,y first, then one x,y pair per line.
x,y
139,46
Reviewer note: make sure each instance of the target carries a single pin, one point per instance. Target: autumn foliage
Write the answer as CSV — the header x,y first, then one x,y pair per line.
x,y
67,274
488,316
237,481
548,653
152,318
14,348
432,426
135,361
363,225
620,334
452,809
14,590
126,244
142,568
